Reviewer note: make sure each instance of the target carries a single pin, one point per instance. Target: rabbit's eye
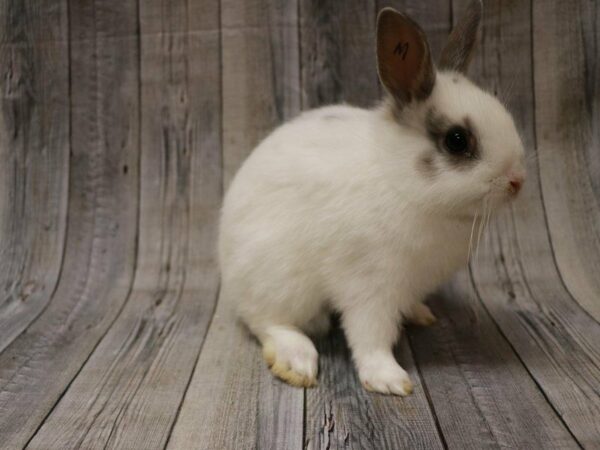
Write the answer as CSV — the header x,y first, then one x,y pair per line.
x,y
456,140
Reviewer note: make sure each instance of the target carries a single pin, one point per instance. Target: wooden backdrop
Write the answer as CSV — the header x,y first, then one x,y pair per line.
x,y
121,124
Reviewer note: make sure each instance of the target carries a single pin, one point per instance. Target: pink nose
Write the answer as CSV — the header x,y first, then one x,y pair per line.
x,y
516,182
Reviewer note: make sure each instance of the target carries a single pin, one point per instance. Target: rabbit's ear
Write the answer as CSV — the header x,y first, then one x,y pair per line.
x,y
403,57
461,43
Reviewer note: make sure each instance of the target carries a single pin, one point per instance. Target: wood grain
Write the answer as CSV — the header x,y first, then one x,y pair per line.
x,y
137,376
233,401
482,394
338,53
341,414
100,245
34,150
121,124
261,73
567,37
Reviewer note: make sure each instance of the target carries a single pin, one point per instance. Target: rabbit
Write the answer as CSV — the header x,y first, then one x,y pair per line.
x,y
364,212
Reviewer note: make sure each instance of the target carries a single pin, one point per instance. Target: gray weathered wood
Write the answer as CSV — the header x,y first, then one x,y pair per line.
x,y
337,42
128,393
99,257
567,38
482,395
34,153
261,73
233,401
121,122
341,414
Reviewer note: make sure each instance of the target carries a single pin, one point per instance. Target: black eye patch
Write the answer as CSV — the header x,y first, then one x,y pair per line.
x,y
456,142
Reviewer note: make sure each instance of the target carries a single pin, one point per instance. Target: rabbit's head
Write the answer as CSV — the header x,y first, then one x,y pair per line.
x,y
472,154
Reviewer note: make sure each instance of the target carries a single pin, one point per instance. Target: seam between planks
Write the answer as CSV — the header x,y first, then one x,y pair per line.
x,y
436,420
137,227
136,243
68,201
538,385
539,173
218,291
192,371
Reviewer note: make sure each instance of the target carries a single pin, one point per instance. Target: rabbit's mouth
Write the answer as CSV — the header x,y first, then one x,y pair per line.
x,y
488,203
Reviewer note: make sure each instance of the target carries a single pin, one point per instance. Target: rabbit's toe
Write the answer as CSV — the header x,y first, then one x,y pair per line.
x,y
421,315
385,378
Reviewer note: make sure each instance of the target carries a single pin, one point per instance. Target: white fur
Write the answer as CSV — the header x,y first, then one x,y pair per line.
x,y
330,212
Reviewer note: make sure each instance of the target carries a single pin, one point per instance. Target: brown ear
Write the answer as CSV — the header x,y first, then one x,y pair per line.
x,y
459,50
403,57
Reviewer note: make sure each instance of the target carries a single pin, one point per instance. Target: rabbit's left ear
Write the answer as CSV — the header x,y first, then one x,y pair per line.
x,y
461,43
403,57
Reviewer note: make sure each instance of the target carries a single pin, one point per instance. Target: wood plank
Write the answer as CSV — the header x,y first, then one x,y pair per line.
x,y
100,245
34,150
338,53
128,393
338,57
261,78
555,339
341,414
233,401
515,275
482,395
568,130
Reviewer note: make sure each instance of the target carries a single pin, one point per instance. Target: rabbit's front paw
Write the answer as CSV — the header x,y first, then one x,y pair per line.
x,y
385,376
292,357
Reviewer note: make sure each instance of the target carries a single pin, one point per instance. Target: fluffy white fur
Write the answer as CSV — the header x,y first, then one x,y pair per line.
x,y
331,212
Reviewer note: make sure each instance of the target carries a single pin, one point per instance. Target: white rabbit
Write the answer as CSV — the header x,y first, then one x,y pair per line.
x,y
365,212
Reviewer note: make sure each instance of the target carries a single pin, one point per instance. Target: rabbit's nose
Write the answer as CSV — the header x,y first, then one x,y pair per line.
x,y
515,182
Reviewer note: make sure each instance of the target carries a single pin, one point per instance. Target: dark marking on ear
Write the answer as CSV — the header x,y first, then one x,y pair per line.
x,y
459,49
402,49
455,80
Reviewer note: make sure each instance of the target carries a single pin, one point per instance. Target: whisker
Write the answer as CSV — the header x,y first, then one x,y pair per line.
x,y
471,237
481,226
486,231
480,229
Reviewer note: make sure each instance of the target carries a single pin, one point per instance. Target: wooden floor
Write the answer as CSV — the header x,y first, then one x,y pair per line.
x,y
121,123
